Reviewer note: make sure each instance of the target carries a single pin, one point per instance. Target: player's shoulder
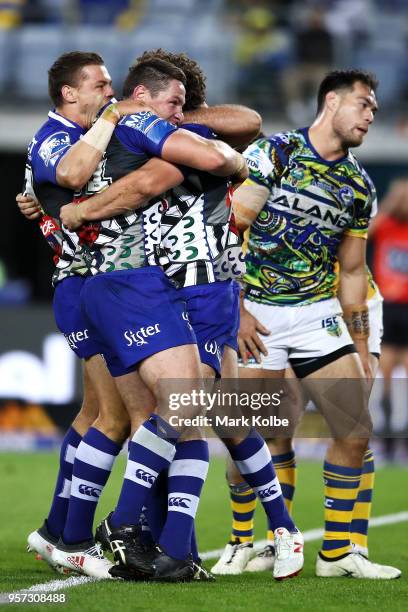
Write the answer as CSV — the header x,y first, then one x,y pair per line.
x,y
362,172
55,135
143,122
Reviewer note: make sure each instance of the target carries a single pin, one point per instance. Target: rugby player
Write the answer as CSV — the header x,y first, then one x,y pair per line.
x,y
152,333
79,85
250,119
283,454
308,203
187,203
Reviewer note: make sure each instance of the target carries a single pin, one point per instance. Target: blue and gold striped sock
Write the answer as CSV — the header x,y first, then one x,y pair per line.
x,y
243,504
340,491
362,507
286,471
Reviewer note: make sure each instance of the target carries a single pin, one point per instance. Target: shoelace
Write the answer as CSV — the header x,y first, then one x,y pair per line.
x,y
235,550
268,551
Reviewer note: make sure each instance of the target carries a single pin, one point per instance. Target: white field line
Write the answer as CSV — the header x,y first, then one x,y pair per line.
x,y
309,536
316,534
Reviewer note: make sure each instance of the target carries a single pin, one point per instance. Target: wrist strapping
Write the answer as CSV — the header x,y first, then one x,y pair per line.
x,y
101,132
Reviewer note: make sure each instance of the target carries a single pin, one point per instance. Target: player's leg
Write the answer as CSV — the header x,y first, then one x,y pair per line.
x,y
43,540
155,447
95,455
362,507
284,461
243,453
343,469
153,333
70,322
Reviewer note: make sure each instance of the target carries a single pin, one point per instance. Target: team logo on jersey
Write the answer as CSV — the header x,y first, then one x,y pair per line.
x,y
138,121
258,161
53,146
297,173
346,195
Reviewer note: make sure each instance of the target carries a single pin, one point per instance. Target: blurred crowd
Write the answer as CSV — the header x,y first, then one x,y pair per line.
x,y
124,14
275,51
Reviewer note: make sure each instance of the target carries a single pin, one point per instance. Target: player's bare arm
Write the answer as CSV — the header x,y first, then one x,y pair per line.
x,y
82,158
185,148
237,125
248,201
353,294
125,195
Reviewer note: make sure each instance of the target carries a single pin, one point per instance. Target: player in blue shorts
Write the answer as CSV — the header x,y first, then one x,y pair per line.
x,y
204,267
136,312
75,337
79,85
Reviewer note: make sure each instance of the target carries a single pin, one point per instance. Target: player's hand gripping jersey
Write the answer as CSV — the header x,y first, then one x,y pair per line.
x,y
312,202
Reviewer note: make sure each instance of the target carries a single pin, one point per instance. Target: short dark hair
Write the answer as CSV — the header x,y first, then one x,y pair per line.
x,y
343,79
154,74
195,78
66,70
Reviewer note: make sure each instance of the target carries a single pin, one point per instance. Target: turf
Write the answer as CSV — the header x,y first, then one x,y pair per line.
x,y
26,486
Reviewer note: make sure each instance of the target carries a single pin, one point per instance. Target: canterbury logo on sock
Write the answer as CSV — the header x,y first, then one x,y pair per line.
x,y
145,476
91,491
183,502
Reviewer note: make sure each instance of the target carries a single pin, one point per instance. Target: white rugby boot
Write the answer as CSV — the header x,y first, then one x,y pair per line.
x,y
85,558
263,561
288,554
234,559
43,543
355,565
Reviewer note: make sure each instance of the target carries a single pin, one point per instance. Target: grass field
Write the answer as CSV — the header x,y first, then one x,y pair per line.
x,y
26,488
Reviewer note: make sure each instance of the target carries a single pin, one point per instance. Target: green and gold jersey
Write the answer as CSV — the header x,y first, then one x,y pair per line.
x,y
312,203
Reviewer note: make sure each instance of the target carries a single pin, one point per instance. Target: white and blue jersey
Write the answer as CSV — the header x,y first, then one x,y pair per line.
x,y
45,151
132,308
131,240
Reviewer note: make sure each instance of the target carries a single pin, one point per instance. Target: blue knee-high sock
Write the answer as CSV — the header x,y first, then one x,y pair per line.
x,y
56,518
92,466
254,462
194,546
187,474
151,450
156,510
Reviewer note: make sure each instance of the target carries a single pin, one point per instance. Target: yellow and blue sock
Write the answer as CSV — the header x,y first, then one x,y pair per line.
x,y
362,507
286,471
341,486
243,504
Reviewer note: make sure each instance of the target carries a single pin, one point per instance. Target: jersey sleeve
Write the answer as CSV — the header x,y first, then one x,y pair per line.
x,y
144,133
365,209
259,156
47,155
